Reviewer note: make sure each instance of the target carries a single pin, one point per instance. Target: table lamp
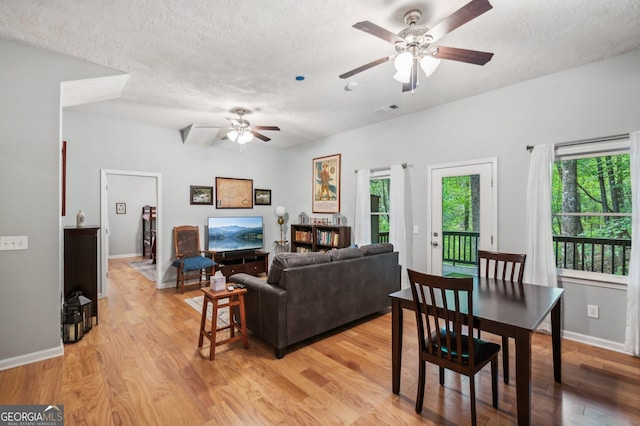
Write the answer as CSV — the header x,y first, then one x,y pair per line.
x,y
280,212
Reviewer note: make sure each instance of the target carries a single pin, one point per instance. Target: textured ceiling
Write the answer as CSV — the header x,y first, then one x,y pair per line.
x,y
196,61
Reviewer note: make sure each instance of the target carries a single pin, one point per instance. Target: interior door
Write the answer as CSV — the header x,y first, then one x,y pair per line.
x,y
463,215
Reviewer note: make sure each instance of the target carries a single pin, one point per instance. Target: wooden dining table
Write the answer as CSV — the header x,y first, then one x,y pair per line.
x,y
503,308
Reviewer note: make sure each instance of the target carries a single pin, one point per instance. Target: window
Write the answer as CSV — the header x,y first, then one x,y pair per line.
x,y
591,206
379,190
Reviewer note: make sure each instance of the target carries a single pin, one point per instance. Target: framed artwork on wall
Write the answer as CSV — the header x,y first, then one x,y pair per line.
x,y
234,193
262,197
326,184
202,195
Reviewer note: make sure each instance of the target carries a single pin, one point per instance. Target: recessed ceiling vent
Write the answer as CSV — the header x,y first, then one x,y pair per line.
x,y
387,108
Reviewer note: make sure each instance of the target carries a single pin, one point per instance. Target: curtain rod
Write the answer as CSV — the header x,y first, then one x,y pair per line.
x,y
592,140
377,169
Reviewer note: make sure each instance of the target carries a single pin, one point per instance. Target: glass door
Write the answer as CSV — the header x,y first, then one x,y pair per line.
x,y
463,217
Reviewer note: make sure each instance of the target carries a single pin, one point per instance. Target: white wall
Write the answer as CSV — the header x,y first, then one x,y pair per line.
x,y
598,99
30,146
125,230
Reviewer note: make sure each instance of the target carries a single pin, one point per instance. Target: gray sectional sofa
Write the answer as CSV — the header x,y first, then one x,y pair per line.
x,y
306,294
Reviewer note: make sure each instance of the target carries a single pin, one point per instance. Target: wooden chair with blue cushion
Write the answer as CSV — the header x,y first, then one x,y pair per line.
x,y
506,267
191,263
444,307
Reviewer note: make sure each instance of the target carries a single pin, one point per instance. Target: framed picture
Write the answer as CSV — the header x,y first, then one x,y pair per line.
x,y
234,193
202,195
326,184
262,197
121,208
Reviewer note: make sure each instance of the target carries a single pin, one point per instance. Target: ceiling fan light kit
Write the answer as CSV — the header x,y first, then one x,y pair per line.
x,y
242,132
414,44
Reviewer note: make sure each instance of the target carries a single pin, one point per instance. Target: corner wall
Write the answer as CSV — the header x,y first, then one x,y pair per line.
x,y
30,283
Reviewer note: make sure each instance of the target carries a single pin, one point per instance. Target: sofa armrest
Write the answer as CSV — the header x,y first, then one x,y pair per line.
x,y
265,310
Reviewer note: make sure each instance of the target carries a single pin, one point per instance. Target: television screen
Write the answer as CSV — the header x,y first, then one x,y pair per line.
x,y
234,233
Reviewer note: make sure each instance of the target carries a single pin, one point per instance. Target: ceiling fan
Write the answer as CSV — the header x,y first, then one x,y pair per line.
x,y
241,131
414,44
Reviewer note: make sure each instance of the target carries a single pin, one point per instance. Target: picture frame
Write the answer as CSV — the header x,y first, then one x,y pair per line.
x,y
121,208
262,197
201,195
233,193
326,184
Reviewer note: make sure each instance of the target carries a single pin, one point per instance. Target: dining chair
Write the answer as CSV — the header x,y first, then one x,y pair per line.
x,y
190,262
507,267
444,308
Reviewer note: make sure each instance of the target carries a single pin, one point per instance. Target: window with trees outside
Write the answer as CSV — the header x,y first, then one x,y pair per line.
x,y
591,206
379,190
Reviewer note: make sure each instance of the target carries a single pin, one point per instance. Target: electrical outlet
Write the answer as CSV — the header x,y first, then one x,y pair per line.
x,y
14,243
592,311
416,229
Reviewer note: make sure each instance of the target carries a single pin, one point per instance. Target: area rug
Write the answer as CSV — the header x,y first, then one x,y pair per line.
x,y
223,313
146,268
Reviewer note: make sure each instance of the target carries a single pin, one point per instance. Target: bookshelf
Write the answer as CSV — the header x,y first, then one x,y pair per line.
x,y
306,238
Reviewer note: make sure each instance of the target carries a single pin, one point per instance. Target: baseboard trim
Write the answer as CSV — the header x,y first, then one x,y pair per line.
x,y
21,360
595,341
123,256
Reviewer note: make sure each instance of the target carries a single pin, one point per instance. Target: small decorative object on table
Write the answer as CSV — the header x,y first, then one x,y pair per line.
x,y
80,219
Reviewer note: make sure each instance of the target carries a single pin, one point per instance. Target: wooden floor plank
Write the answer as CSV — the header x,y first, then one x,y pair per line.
x,y
141,366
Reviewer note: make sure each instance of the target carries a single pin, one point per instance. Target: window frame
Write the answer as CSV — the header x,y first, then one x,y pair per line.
x,y
587,150
379,174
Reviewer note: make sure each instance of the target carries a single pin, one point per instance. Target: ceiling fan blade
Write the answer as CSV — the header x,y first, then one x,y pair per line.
x,y
265,127
466,13
233,121
365,67
413,82
462,55
260,136
378,31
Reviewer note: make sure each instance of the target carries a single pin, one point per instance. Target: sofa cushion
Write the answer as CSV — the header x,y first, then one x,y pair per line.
x,y
345,253
378,248
283,261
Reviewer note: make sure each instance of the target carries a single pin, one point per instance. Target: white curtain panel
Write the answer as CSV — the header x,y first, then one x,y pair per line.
x,y
632,332
397,222
540,266
362,222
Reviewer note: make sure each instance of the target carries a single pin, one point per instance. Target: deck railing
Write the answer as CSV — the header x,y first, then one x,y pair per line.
x,y
605,255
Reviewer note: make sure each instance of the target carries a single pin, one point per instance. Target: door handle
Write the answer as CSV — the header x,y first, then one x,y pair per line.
x,y
434,243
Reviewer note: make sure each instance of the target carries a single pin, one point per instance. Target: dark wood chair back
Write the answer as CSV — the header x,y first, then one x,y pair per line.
x,y
442,339
444,308
504,266
186,240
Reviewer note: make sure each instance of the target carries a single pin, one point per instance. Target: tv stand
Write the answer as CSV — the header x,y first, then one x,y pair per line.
x,y
253,262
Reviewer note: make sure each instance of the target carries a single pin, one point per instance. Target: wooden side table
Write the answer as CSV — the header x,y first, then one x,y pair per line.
x,y
236,298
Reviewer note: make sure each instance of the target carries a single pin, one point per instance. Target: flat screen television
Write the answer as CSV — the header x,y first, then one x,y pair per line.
x,y
234,233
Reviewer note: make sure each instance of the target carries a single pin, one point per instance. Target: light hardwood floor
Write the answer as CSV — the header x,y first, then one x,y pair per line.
x,y
140,366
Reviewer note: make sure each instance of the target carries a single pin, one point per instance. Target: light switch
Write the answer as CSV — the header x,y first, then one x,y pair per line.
x,y
416,230
14,243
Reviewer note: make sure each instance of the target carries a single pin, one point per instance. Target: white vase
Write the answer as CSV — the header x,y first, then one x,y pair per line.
x,y
80,218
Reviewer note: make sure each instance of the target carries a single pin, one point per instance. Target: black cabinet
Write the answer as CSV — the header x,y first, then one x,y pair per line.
x,y
81,263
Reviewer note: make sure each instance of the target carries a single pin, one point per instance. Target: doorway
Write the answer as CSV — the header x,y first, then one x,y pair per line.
x,y
463,215
105,202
